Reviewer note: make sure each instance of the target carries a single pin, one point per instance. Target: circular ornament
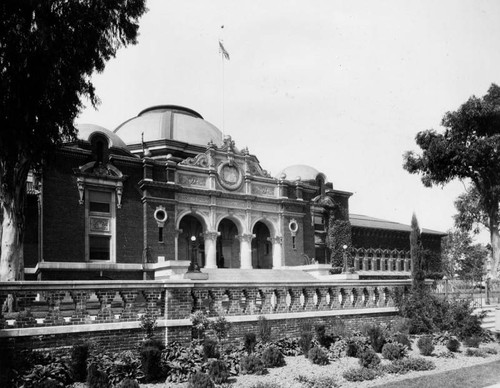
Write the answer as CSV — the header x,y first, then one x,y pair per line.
x,y
160,214
229,176
293,226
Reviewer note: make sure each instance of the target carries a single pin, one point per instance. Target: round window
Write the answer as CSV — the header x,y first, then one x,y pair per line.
x,y
160,215
293,226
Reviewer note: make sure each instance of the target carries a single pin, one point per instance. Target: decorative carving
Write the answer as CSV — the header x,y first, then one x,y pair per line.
x,y
246,237
231,203
229,175
263,190
200,160
276,240
119,191
255,170
192,180
228,144
81,189
293,226
211,236
193,198
98,224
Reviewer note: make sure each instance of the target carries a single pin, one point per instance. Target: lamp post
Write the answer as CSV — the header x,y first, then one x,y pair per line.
x,y
193,267
445,278
345,258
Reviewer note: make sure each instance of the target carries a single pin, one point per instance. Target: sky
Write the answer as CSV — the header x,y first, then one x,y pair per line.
x,y
342,86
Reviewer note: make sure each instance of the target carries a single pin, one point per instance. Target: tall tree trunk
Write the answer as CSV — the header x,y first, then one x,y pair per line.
x,y
11,259
495,244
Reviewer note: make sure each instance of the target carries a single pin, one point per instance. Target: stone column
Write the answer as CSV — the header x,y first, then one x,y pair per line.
x,y
246,250
176,243
277,242
210,249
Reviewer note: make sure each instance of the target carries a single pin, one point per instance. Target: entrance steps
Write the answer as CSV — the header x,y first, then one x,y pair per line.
x,y
489,321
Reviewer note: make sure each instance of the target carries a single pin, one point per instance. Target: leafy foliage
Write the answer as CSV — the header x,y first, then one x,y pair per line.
x,y
264,329
318,356
376,335
116,366
58,372
394,351
180,363
317,382
406,365
453,345
148,324
338,349
324,339
151,363
305,342
472,341
250,340
97,378
402,339
339,234
221,326
272,357
368,358
425,345
359,374
79,355
218,371
51,49
469,149
200,323
128,383
210,348
252,365
200,380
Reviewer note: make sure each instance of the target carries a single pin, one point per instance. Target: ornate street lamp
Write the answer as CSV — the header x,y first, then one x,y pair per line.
x,y
193,267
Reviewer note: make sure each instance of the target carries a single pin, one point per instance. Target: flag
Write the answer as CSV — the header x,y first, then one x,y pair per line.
x,y
222,50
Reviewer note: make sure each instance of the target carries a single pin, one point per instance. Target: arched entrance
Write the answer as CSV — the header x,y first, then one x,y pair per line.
x,y
228,246
191,227
262,255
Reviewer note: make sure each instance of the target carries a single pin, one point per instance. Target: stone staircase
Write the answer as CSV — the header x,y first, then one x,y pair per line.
x,y
489,321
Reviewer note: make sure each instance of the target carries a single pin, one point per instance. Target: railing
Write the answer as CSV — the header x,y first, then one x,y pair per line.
x,y
480,293
31,304
381,260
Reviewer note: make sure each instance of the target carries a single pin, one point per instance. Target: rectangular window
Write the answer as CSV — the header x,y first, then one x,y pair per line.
x,y
99,247
100,225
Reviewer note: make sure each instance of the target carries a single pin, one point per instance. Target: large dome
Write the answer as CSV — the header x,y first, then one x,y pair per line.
x,y
169,122
301,172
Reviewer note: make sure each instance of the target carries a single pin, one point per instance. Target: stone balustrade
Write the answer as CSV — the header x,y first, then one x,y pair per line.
x,y
381,260
30,304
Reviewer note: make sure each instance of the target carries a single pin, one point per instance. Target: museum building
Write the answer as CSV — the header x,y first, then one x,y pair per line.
x,y
167,187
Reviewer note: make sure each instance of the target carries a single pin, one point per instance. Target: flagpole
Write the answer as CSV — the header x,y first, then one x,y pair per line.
x,y
223,98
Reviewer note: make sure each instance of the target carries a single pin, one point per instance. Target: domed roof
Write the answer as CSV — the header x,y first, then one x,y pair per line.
x,y
169,122
301,172
85,132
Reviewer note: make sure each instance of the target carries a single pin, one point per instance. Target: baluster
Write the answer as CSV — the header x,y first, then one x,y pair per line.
x,y
80,314
105,313
252,308
389,297
358,298
25,317
234,301
308,296
322,298
280,300
335,303
266,300
152,297
179,303
129,312
370,295
54,316
407,265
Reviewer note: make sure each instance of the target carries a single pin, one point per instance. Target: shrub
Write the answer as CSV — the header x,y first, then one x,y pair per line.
x,y
210,348
401,325
264,329
252,365
55,371
200,323
200,380
148,324
338,349
472,342
402,339
393,351
96,378
218,372
288,346
181,362
221,326
472,352
79,355
305,342
453,345
414,363
425,345
376,336
151,367
339,329
323,339
318,356
356,344
48,383
490,350
369,359
272,357
317,382
260,384
359,374
152,343
446,354
128,383
250,340
118,366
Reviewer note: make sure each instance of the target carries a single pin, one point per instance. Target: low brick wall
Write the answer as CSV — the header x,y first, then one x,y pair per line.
x,y
40,315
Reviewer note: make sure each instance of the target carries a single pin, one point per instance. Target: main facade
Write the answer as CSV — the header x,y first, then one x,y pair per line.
x,y
166,187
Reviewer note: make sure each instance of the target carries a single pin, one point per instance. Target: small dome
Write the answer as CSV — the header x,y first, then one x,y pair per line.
x,y
169,122
300,172
85,132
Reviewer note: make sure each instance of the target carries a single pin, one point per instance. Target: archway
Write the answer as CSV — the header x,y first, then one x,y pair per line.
x,y
191,227
262,255
228,246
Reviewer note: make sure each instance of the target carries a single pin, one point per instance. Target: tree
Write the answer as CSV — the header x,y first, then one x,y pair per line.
x,y
469,149
462,257
48,52
416,253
